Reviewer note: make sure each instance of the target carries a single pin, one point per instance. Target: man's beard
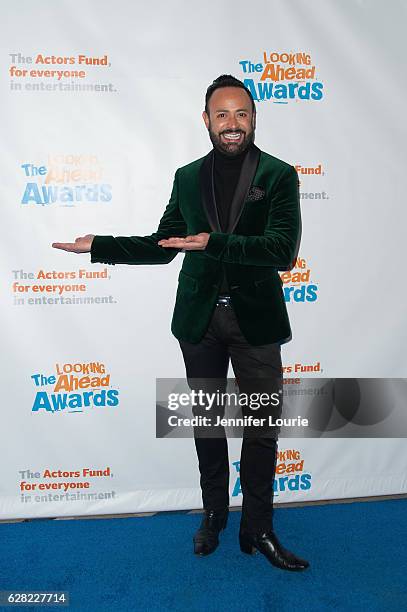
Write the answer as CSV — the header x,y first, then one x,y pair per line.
x,y
231,149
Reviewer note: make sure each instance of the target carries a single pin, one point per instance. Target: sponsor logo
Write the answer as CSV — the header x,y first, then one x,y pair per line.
x,y
290,474
297,284
75,387
46,287
53,485
58,73
282,77
66,180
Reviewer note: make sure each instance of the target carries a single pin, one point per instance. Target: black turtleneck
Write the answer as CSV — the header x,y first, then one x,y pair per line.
x,y
226,172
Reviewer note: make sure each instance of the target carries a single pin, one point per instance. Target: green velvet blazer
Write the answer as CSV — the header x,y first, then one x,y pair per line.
x,y
262,237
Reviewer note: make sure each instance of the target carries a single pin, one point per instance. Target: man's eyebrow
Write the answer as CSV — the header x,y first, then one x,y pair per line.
x,y
225,110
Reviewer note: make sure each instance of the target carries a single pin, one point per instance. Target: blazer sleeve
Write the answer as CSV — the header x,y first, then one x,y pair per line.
x,y
143,249
279,245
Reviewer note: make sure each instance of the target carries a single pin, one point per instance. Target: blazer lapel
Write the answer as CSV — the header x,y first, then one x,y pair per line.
x,y
244,183
208,192
246,177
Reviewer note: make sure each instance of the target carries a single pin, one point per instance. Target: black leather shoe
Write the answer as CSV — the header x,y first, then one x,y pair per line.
x,y
206,539
267,543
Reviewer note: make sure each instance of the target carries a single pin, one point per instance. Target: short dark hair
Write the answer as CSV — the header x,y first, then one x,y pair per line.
x,y
226,80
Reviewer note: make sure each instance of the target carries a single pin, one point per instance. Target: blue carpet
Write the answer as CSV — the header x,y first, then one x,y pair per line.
x,y
357,555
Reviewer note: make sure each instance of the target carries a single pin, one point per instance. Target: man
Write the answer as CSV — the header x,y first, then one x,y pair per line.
x,y
235,214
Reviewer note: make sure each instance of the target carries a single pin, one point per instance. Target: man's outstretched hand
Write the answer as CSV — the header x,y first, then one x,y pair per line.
x,y
190,243
81,245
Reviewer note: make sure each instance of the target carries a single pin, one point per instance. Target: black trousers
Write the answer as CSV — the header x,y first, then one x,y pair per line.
x,y
255,368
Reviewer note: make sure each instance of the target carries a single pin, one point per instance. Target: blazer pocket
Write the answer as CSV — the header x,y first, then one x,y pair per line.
x,y
186,283
269,286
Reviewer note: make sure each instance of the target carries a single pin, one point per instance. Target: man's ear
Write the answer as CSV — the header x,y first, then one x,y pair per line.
x,y
254,121
205,117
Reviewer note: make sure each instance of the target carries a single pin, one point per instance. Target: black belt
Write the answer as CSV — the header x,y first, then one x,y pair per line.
x,y
223,300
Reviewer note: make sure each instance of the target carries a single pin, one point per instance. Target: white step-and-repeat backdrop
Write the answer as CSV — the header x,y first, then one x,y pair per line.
x,y
100,103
